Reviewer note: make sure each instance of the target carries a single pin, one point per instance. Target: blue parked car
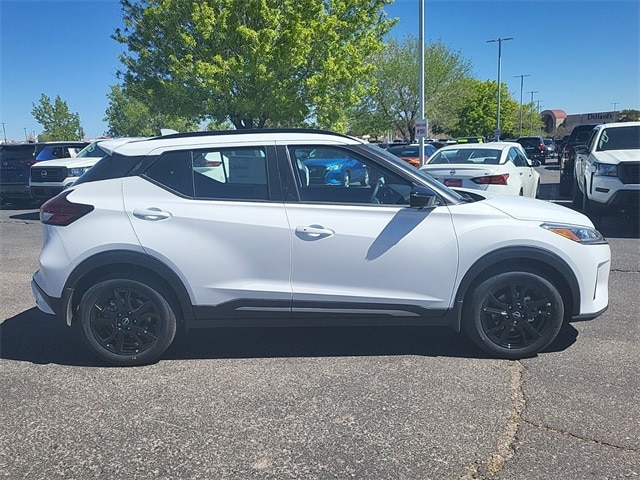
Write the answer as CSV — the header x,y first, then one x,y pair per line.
x,y
344,171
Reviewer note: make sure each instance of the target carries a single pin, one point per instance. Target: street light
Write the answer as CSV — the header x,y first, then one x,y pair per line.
x,y
521,85
499,40
531,127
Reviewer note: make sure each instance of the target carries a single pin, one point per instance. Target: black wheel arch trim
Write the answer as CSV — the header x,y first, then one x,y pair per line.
x,y
497,260
118,260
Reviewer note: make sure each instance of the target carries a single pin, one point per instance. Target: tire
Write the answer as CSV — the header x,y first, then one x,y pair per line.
x,y
514,314
564,188
126,322
590,210
576,195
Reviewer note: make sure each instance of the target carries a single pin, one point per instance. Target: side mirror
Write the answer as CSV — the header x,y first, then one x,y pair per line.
x,y
535,163
422,197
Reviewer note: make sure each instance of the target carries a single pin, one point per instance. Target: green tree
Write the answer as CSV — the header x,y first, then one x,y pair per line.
x,y
394,100
127,116
629,115
252,61
57,121
477,114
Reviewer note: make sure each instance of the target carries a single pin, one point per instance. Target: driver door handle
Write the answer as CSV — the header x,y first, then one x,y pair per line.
x,y
314,231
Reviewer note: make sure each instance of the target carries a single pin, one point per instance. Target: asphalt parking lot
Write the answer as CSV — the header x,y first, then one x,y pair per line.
x,y
367,403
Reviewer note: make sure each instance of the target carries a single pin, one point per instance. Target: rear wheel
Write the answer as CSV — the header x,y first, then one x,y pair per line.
x,y
126,322
514,314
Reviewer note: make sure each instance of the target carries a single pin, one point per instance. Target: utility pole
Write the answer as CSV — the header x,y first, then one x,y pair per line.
x,y
531,126
615,104
521,85
499,40
538,112
4,133
421,106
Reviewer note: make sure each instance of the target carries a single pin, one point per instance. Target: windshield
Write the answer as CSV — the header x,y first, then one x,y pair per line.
x,y
92,150
619,138
485,156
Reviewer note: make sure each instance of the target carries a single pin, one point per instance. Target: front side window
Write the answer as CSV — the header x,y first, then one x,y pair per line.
x,y
334,175
212,174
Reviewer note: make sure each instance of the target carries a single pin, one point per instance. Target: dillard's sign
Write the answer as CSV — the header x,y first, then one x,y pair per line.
x,y
598,117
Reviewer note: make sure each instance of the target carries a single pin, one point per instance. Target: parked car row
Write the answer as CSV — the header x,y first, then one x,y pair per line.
x,y
38,171
16,161
211,229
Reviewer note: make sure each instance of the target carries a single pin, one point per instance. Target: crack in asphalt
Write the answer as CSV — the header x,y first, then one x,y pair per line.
x,y
578,437
504,449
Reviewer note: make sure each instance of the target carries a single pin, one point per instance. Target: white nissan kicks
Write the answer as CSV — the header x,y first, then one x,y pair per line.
x,y
234,228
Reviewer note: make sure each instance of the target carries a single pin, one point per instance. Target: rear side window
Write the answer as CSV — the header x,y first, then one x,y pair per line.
x,y
208,174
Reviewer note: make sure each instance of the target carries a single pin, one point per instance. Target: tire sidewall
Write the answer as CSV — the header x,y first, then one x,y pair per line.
x,y
165,335
473,314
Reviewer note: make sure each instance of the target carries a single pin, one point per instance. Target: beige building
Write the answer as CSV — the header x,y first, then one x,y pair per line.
x,y
558,118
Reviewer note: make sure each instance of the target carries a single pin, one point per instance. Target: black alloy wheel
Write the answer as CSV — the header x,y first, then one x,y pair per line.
x,y
126,322
514,315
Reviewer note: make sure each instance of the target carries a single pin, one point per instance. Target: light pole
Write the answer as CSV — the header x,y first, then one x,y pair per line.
x,y
421,106
499,40
521,85
538,112
531,127
615,104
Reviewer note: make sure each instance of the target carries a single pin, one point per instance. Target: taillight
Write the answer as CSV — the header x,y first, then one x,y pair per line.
x,y
60,211
542,148
491,179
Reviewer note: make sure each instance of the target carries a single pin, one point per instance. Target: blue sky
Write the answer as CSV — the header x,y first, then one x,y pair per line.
x,y
582,56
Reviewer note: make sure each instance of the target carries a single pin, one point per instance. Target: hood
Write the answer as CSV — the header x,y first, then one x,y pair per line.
x,y
617,156
529,209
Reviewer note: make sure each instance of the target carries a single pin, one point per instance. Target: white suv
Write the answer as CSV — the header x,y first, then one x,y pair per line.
x,y
50,177
215,229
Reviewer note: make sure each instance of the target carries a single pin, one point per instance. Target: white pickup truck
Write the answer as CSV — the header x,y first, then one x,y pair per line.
x,y
607,170
51,177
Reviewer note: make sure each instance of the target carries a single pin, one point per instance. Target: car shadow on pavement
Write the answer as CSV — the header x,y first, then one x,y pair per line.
x,y
35,337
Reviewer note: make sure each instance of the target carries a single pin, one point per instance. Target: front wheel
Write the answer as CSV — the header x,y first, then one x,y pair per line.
x,y
514,314
126,322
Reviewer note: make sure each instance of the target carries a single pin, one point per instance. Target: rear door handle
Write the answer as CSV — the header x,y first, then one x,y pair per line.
x,y
151,213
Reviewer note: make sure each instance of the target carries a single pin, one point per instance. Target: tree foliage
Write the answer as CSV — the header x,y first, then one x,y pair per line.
x,y
629,115
57,121
252,61
477,114
127,116
395,95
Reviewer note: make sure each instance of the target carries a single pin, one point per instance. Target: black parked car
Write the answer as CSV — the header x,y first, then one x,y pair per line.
x,y
15,162
535,148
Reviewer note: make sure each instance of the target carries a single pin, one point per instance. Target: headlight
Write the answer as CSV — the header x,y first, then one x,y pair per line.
x,y
605,170
77,171
586,235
